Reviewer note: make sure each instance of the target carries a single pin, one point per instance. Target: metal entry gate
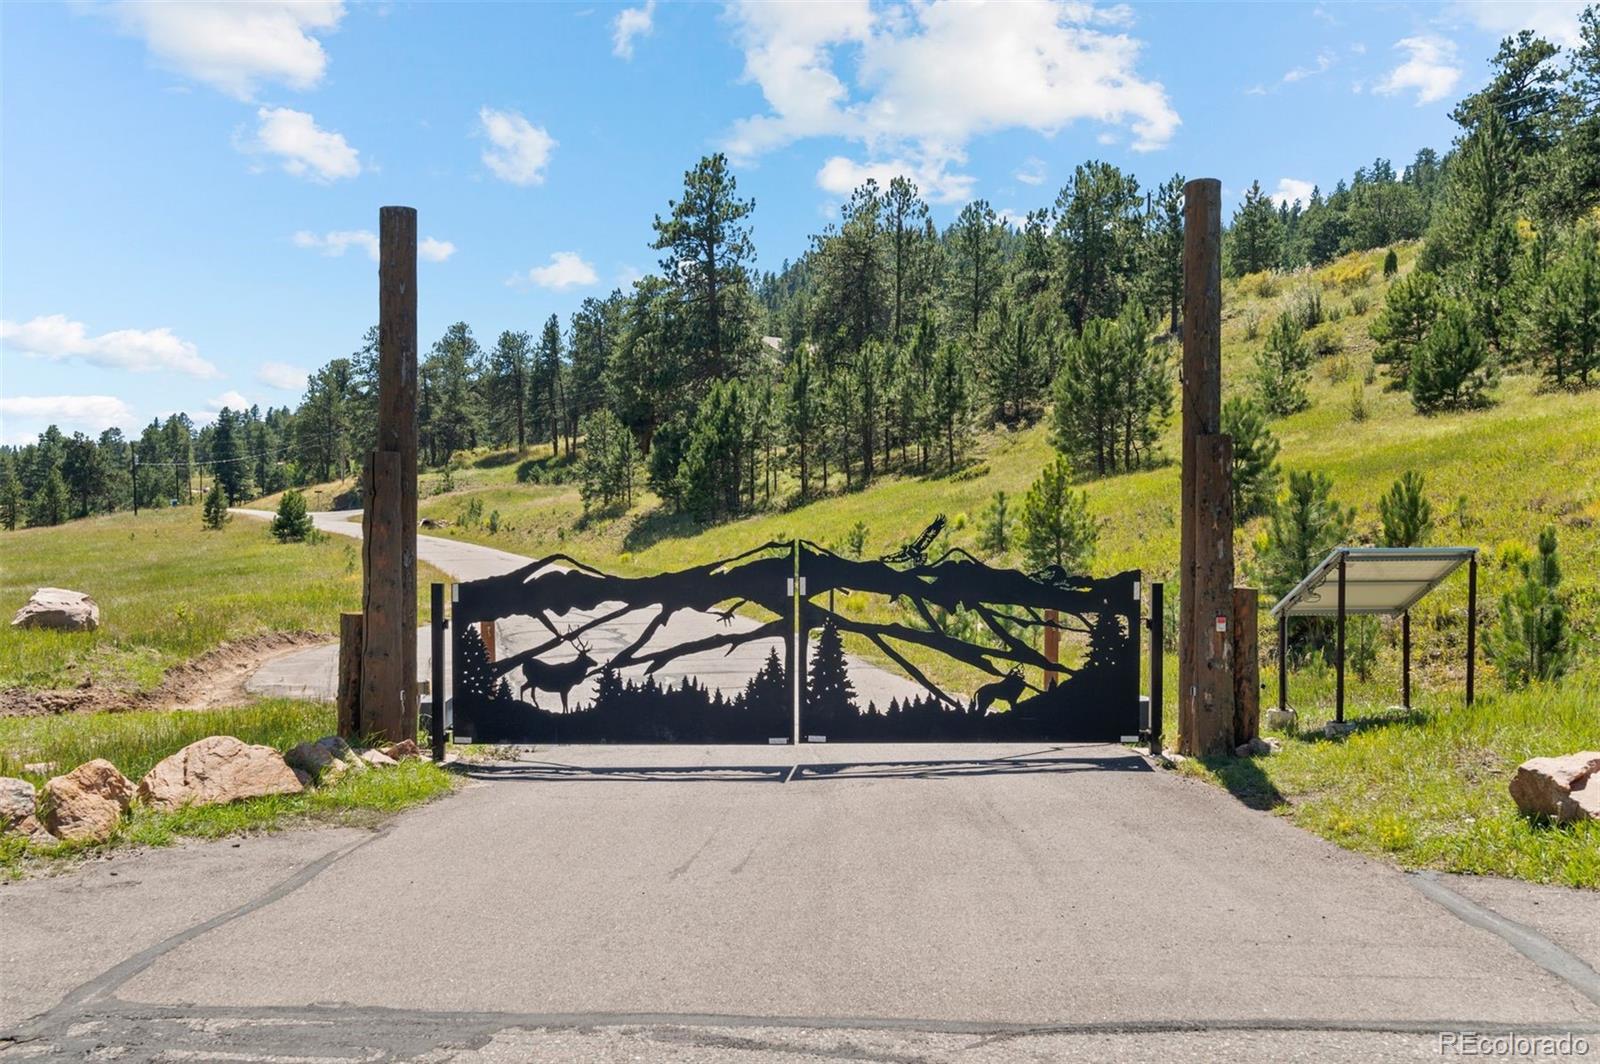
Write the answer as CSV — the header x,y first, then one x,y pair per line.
x,y
907,647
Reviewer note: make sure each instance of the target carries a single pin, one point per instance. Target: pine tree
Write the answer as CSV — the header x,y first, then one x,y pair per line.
x,y
829,694
228,455
50,501
1405,511
508,391
1478,224
995,537
1306,525
1084,418
1098,231
1255,238
1451,369
707,250
10,493
801,420
1409,312
214,514
1057,528
709,476
1281,369
292,524
974,242
950,400
1255,458
450,381
1533,641
1562,334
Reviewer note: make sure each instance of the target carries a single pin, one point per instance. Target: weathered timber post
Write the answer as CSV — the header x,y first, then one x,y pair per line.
x,y
486,633
1246,665
1205,592
1052,646
1158,640
1405,659
349,698
436,670
389,509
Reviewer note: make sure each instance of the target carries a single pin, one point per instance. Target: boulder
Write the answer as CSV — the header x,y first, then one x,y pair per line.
x,y
1562,788
16,802
314,761
86,803
32,831
59,609
216,770
377,758
400,751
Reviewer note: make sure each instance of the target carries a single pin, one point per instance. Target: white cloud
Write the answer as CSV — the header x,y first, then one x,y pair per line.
x,y
1431,69
337,242
918,82
1291,189
566,270
631,22
841,176
90,413
58,338
431,250
519,150
1554,20
282,376
1300,73
1031,172
235,47
303,149
230,399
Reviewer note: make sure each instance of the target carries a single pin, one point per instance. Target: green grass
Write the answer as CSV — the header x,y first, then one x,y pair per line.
x,y
1428,790
135,741
168,591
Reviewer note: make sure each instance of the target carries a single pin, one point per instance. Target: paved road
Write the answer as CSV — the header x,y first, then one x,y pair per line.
x,y
314,673
888,903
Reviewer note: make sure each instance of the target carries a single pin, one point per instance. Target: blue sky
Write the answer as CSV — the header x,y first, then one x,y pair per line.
x,y
188,191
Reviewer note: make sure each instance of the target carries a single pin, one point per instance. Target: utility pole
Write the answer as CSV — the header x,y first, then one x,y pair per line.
x,y
389,508
133,454
1205,596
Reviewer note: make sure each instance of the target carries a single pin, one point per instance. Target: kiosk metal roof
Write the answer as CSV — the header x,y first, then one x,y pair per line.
x,y
1382,580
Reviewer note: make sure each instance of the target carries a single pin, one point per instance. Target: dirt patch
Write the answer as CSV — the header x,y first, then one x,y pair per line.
x,y
216,678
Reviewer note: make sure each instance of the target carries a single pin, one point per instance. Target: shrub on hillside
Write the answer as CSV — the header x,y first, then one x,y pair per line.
x,y
1348,274
1405,512
1451,369
1532,641
1057,529
1255,458
292,524
214,512
1263,285
1306,525
1280,372
1407,316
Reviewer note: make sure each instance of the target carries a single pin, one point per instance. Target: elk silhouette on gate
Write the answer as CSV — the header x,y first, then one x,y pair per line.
x,y
559,678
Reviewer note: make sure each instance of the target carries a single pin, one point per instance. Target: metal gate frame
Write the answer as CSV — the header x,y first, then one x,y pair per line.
x,y
1094,700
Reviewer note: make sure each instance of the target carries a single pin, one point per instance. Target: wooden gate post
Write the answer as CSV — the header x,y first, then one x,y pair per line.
x,y
1205,595
1246,665
349,698
389,509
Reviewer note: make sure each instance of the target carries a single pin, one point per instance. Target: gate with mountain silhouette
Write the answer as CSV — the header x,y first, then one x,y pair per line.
x,y
924,644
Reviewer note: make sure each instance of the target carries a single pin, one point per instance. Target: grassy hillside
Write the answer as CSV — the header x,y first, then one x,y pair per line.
x,y
168,591
1494,476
